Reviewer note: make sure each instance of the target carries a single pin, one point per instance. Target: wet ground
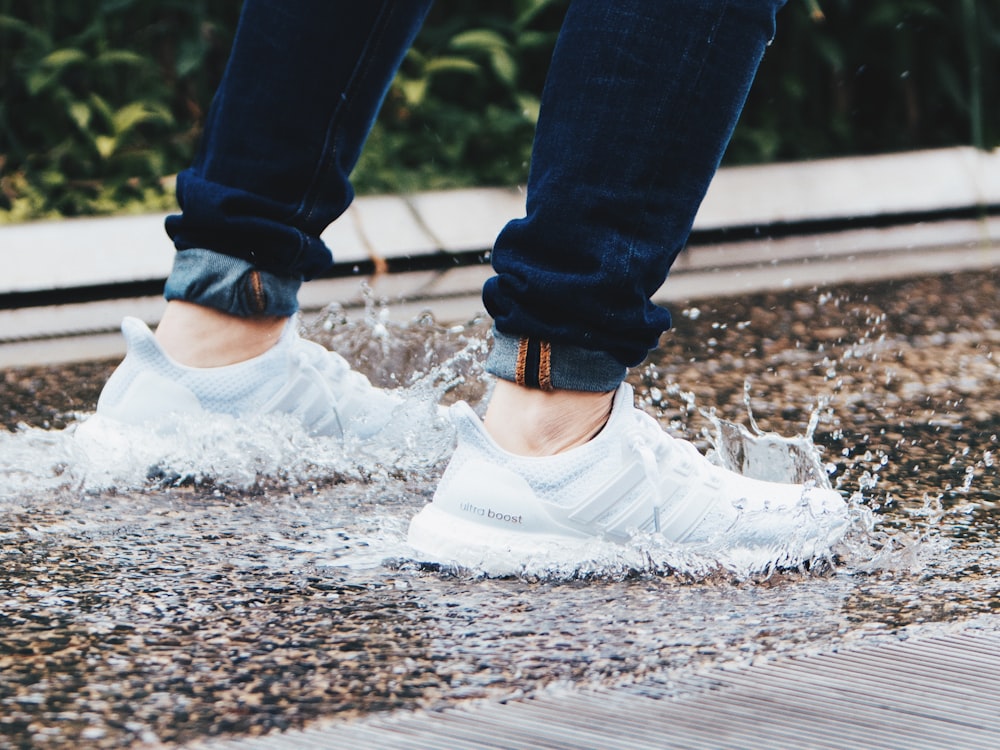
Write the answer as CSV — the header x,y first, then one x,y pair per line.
x,y
239,587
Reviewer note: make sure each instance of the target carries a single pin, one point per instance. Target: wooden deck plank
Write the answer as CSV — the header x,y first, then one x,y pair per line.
x,y
935,692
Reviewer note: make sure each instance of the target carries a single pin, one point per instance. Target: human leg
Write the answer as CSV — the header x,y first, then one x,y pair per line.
x,y
199,336
640,103
301,90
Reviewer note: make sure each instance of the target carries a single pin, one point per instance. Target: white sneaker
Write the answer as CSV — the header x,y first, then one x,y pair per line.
x,y
295,376
633,478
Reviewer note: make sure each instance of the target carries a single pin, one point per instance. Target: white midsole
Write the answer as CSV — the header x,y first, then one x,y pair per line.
x,y
439,536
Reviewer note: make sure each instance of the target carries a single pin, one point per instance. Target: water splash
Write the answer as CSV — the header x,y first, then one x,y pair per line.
x,y
425,362
768,455
443,363
35,461
430,364
868,546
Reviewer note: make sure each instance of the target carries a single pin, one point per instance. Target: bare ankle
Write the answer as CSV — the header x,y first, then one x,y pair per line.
x,y
199,336
530,422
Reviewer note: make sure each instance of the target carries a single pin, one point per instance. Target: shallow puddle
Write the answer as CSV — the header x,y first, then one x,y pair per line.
x,y
235,580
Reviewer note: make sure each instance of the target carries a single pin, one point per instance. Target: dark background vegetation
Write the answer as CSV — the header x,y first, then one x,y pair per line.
x,y
102,101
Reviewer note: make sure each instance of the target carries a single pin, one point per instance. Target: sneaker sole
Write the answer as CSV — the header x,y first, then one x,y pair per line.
x,y
439,537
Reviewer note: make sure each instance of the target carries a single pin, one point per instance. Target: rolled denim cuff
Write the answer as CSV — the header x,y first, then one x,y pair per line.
x,y
229,284
539,364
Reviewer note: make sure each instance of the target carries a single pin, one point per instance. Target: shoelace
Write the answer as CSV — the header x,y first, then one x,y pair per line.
x,y
350,399
315,393
329,364
654,446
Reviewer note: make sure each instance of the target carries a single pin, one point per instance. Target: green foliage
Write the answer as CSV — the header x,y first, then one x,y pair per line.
x,y
463,107
101,101
875,76
843,77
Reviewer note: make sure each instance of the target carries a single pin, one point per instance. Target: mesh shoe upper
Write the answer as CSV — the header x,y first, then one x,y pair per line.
x,y
295,376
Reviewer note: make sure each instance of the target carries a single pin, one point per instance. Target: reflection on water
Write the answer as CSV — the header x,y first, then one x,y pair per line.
x,y
228,577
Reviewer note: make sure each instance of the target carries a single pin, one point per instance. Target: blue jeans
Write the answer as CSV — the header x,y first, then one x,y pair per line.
x,y
640,102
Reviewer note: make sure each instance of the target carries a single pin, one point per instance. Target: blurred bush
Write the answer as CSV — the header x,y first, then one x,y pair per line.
x,y
875,76
101,101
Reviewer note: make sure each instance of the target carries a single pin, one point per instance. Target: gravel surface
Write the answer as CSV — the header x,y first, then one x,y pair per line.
x,y
185,608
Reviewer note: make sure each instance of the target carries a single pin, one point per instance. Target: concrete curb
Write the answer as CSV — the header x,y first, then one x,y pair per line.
x,y
809,197
86,252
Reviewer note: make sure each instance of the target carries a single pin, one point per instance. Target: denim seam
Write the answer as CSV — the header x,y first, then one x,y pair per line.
x,y
308,205
258,298
329,152
533,366
683,113
545,366
522,360
630,254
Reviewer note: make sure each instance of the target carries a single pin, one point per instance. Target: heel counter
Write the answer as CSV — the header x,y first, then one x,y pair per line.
x,y
149,396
